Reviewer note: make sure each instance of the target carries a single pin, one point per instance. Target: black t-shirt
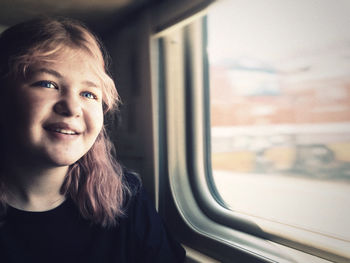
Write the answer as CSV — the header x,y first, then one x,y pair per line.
x,y
62,235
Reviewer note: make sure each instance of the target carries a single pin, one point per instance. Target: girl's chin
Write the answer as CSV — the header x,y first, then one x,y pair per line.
x,y
59,162
56,161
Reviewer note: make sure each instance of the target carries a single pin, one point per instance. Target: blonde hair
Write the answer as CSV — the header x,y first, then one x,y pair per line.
x,y
95,182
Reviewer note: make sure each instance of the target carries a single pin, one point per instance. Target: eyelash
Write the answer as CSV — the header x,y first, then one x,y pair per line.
x,y
93,96
45,83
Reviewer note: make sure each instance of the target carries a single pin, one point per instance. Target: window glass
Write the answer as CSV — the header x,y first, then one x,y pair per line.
x,y
280,111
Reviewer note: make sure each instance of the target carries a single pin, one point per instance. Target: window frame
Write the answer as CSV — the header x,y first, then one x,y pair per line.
x,y
177,201
187,195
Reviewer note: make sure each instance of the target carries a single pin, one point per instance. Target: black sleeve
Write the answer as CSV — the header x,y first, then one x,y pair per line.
x,y
154,243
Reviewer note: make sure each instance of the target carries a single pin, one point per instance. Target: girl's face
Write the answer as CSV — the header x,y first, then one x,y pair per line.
x,y
58,110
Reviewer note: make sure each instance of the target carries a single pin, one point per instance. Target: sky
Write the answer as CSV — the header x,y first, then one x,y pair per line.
x,y
290,32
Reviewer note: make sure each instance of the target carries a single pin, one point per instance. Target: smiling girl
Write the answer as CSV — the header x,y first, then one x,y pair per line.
x,y
63,198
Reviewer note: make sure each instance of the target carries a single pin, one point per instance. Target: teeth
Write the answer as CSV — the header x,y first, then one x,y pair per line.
x,y
65,131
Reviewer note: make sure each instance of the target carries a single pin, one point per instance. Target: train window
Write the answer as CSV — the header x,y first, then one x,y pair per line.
x,y
251,121
279,81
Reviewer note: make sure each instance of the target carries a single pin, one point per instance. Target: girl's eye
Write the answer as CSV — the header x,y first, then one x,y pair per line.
x,y
46,84
89,95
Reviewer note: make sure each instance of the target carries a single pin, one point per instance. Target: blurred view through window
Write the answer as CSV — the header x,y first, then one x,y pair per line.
x,y
280,111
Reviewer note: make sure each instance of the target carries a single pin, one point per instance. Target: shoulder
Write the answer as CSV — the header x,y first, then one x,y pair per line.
x,y
132,187
154,242
132,181
133,191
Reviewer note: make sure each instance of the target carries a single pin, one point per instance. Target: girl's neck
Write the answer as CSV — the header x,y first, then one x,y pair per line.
x,y
35,189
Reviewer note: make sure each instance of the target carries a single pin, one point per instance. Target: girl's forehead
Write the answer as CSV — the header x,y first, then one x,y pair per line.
x,y
71,57
66,53
63,52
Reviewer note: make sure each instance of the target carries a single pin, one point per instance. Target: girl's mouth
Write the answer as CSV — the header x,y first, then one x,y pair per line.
x,y
61,128
65,131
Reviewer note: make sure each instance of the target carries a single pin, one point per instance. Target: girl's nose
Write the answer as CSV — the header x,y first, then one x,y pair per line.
x,y
68,106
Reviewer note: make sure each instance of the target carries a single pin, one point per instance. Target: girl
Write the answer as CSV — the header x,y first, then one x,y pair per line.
x,y
63,198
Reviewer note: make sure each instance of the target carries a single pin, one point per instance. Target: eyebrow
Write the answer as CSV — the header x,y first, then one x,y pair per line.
x,y
51,72
58,75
